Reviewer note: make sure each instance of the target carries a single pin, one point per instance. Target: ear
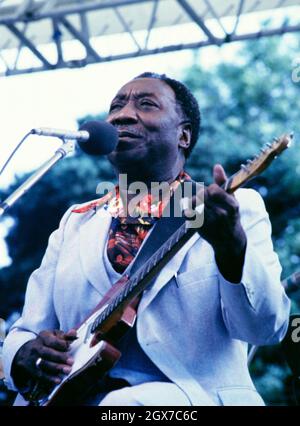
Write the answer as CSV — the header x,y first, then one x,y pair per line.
x,y
185,135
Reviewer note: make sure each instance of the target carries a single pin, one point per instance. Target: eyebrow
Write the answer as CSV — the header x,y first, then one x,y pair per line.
x,y
122,96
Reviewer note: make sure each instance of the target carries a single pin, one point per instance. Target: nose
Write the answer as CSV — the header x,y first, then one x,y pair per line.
x,y
123,115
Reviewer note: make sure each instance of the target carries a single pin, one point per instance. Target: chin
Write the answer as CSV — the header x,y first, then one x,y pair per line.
x,y
124,155
128,158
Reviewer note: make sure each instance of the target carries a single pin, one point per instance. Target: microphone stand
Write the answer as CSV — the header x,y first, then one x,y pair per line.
x,y
66,148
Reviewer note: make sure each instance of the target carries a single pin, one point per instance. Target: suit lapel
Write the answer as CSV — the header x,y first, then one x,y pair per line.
x,y
167,273
93,235
91,254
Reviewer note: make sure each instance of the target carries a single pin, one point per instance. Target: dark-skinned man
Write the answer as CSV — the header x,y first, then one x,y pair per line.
x,y
220,292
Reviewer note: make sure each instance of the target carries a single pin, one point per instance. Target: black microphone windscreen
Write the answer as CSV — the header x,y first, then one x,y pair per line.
x,y
103,138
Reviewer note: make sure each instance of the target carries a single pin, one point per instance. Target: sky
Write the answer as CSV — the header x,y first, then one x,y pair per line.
x,y
58,98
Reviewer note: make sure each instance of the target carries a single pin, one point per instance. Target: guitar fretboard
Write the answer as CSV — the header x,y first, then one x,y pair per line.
x,y
141,278
163,254
292,283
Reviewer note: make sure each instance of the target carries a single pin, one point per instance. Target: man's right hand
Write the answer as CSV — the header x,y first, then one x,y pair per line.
x,y
52,347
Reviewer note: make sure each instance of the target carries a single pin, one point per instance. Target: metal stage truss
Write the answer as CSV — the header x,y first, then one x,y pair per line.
x,y
40,35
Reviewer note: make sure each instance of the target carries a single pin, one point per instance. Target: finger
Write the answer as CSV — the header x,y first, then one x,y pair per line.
x,y
58,333
54,368
219,175
49,379
214,195
46,378
231,209
213,214
213,228
71,335
49,354
55,342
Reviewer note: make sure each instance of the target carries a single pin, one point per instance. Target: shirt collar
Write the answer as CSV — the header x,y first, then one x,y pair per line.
x,y
146,211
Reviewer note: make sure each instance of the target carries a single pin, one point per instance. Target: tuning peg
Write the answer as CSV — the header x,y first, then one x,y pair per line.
x,y
262,150
249,161
276,139
244,167
269,145
291,137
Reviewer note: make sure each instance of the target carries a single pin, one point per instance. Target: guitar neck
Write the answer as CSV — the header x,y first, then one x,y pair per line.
x,y
137,283
292,283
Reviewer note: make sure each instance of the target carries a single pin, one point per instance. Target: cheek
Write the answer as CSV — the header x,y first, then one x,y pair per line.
x,y
170,137
163,149
166,132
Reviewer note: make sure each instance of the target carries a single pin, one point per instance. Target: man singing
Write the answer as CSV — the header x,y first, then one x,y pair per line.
x,y
219,293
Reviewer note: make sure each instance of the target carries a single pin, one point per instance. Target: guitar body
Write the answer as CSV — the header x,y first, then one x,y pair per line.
x,y
93,358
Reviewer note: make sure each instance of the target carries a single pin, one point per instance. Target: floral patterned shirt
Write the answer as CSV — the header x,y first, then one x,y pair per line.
x,y
128,231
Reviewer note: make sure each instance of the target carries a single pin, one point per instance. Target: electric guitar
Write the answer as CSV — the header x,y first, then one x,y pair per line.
x,y
94,352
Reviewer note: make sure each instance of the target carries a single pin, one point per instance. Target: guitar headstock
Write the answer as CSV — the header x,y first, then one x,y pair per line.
x,y
259,163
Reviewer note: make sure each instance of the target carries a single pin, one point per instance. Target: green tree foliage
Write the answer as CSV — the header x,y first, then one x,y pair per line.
x,y
244,104
36,215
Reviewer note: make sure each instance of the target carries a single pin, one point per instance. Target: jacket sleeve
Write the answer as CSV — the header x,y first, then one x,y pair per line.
x,y
38,312
257,309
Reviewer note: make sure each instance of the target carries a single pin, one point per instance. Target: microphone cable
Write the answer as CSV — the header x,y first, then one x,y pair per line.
x,y
14,151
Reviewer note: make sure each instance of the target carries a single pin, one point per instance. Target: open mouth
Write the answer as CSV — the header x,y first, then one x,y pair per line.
x,y
127,134
127,140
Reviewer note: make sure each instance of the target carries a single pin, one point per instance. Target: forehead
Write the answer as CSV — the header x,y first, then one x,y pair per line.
x,y
148,86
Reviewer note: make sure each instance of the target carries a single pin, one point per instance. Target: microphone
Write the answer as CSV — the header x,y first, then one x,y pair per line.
x,y
103,138
93,137
62,134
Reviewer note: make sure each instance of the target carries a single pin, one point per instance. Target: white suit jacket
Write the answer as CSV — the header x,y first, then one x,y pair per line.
x,y
192,323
